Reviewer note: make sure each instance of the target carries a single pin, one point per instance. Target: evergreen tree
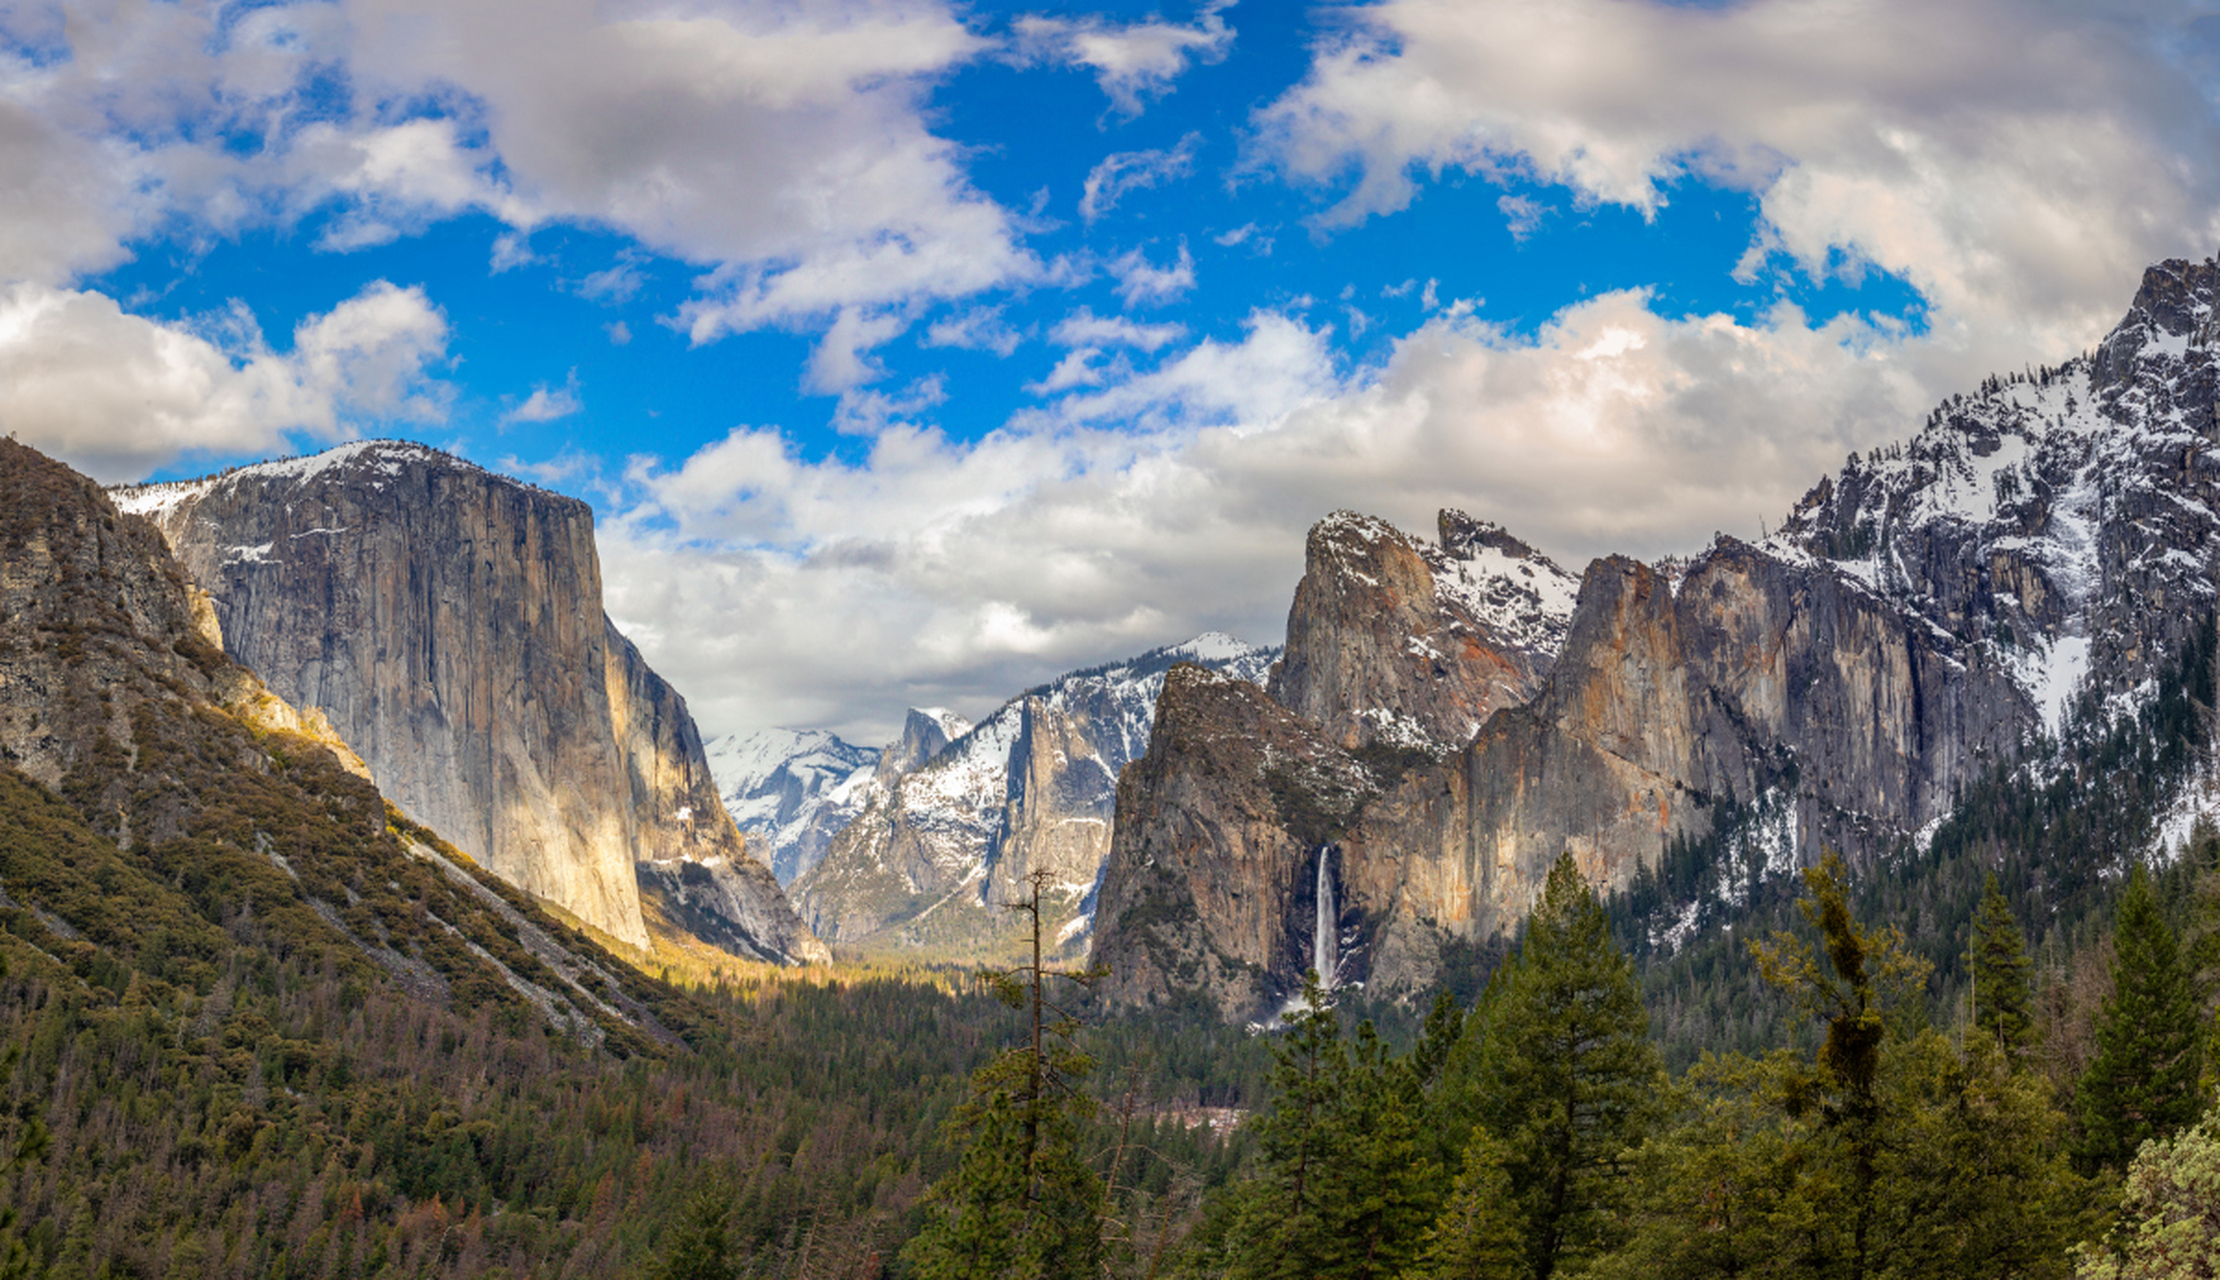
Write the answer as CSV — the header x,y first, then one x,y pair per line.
x,y
2170,1216
1347,1187
1479,1235
1562,1072
1380,1189
1021,1204
2003,984
2143,1082
702,1248
1851,996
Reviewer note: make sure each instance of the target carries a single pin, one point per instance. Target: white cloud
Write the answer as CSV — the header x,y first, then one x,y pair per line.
x,y
546,404
1076,369
1125,171
978,329
2014,162
1522,215
1143,283
1083,328
1130,62
842,360
781,148
119,395
1139,507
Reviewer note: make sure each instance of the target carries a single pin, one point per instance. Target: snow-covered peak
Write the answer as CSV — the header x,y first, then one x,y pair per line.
x,y
744,764
952,726
2058,522
368,461
1514,593
789,791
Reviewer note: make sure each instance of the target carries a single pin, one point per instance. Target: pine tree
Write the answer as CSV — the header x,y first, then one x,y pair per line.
x,y
2003,986
701,1249
2143,1083
2170,1215
1479,1235
1563,1073
1865,974
1021,1204
1347,1187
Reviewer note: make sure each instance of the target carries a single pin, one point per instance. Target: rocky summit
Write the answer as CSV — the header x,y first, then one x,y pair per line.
x,y
448,622
2032,560
954,818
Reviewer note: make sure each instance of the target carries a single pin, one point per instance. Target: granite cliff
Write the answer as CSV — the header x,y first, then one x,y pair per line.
x,y
955,817
158,802
448,622
2030,559
1413,644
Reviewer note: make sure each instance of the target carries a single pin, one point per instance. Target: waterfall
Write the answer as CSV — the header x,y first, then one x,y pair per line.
x,y
1323,942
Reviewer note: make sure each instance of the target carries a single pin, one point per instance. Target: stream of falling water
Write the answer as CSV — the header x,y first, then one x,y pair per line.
x,y
1323,943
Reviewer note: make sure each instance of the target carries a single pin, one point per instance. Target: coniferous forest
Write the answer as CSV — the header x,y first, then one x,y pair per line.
x,y
255,1022
193,1088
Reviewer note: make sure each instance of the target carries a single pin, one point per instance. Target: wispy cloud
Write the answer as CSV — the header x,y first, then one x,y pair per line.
x,y
1131,62
1125,171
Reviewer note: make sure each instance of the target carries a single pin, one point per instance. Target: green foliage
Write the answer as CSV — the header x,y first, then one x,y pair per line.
x,y
1479,1235
1557,1067
2143,1084
1888,1152
2170,1215
2003,985
701,1248
1346,1189
1022,1203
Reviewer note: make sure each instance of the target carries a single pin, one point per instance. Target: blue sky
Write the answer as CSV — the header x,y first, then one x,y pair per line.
x,y
912,352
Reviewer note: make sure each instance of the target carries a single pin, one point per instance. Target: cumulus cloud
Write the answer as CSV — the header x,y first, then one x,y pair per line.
x,y
1138,507
1142,283
1125,171
118,395
2013,162
782,149
1130,62
546,403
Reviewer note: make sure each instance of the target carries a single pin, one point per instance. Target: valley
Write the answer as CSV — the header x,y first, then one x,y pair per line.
x,y
369,905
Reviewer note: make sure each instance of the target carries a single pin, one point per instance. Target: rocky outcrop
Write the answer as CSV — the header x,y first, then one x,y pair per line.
x,y
689,855
1413,645
791,791
448,622
1212,865
949,833
2025,565
190,817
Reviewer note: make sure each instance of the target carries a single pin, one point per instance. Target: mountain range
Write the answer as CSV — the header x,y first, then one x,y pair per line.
x,y
2035,563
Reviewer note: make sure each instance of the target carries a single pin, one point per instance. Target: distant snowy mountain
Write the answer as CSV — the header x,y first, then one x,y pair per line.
x,y
2060,523
790,791
937,847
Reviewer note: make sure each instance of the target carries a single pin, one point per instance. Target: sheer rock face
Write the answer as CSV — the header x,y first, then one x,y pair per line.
x,y
953,827
1767,673
1397,642
2027,562
689,855
449,623
1206,887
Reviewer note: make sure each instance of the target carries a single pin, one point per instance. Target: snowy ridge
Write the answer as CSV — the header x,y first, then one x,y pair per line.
x,y
1516,594
371,459
2059,523
786,787
924,844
